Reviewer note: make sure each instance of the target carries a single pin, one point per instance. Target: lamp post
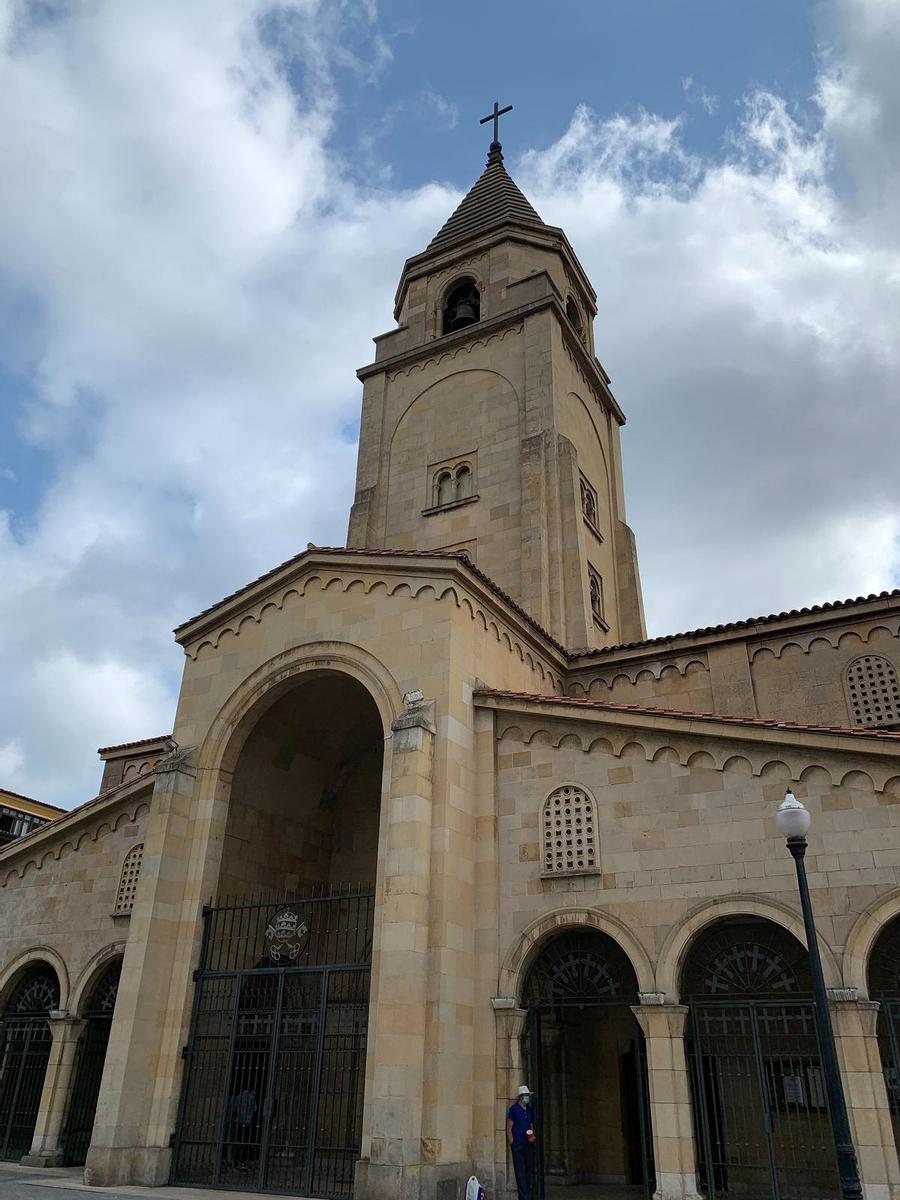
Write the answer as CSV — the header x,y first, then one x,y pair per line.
x,y
793,821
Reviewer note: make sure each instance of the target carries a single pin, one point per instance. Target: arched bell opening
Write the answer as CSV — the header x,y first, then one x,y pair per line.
x,y
761,1124
25,1041
884,986
90,1057
585,1060
272,1098
462,306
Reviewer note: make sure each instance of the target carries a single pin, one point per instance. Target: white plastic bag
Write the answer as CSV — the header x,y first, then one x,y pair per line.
x,y
474,1190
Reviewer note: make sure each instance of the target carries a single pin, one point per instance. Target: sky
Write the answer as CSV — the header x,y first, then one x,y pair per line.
x,y
204,213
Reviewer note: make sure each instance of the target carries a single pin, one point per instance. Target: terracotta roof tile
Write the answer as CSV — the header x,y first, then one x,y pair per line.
x,y
134,745
747,623
650,710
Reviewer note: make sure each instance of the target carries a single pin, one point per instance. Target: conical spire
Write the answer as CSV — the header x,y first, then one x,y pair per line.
x,y
494,200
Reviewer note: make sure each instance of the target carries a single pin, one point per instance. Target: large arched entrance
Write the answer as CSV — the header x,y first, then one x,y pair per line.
x,y
760,1112
25,1041
585,1060
88,1070
275,1063
884,986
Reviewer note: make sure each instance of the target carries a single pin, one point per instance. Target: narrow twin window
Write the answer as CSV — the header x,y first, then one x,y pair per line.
x,y
451,483
595,582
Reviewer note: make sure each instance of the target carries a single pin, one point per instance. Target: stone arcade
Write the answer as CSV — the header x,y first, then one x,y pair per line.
x,y
436,817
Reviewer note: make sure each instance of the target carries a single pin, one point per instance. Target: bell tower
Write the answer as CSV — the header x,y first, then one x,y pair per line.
x,y
488,424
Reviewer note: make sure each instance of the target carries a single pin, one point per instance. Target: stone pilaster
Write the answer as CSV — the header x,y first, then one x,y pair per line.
x,y
393,1150
142,1076
855,1029
670,1099
46,1145
510,1074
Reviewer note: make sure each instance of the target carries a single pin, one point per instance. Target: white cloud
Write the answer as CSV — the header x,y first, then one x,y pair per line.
x,y
201,277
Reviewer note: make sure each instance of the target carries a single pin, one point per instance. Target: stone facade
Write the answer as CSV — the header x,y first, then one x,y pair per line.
x,y
401,711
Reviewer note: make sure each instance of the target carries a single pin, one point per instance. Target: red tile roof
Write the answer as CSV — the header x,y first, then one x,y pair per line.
x,y
350,551
650,710
747,623
134,745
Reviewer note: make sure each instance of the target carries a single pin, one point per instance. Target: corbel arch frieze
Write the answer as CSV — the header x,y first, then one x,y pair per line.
x,y
836,639
455,354
745,759
70,842
366,585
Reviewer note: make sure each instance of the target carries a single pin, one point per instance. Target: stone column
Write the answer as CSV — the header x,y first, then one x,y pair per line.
x,y
392,1150
46,1145
855,1030
670,1097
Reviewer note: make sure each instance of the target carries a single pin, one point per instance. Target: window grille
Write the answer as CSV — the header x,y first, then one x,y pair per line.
x,y
873,690
569,829
128,881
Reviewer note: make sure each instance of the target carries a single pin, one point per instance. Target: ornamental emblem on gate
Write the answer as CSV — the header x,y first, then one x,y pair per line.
x,y
285,935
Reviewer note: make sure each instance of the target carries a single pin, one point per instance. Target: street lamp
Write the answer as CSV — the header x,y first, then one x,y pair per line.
x,y
793,821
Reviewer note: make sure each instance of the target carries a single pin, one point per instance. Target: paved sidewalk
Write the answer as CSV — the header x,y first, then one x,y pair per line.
x,y
30,1183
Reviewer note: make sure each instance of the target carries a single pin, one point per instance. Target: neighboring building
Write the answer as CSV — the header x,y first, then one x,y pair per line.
x,y
20,814
437,818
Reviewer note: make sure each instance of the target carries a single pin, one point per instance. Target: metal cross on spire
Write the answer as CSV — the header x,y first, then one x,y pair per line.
x,y
495,117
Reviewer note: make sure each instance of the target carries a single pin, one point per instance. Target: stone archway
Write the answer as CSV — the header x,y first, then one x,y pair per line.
x,y
761,1122
287,947
95,1017
584,1056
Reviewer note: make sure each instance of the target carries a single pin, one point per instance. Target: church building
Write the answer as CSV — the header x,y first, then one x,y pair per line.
x,y
437,819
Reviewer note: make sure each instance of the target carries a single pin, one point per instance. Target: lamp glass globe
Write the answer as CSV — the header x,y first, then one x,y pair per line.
x,y
791,817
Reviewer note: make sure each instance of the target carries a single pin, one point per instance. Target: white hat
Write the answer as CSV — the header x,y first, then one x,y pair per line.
x,y
524,1090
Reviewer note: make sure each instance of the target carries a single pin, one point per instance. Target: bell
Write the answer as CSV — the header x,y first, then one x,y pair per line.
x,y
465,313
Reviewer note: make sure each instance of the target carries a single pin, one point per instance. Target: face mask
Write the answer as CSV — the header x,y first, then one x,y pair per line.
x,y
526,1099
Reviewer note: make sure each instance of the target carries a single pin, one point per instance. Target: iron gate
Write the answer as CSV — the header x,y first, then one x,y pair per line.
x,y
25,1040
275,1061
761,1117
88,1068
888,1041
582,970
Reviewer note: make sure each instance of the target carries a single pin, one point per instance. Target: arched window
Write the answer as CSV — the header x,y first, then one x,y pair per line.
x,y
463,481
573,312
462,307
569,831
128,881
596,587
445,488
588,502
873,691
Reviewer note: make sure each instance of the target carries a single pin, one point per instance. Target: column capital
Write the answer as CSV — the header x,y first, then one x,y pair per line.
x,y
409,727
661,1020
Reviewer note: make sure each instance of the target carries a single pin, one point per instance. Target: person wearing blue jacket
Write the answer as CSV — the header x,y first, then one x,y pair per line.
x,y
520,1135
